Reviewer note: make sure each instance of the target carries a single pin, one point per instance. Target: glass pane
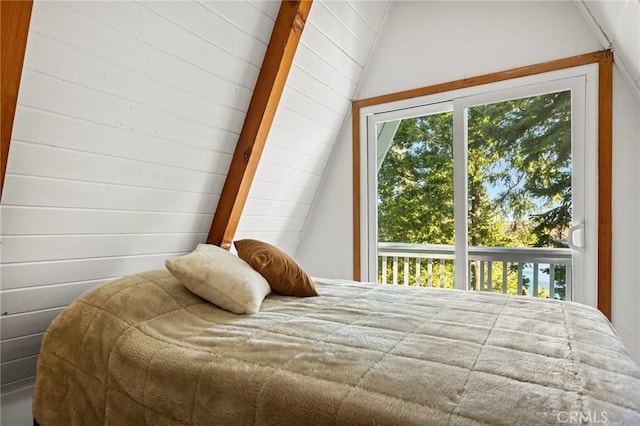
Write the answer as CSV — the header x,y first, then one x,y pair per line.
x,y
415,201
519,180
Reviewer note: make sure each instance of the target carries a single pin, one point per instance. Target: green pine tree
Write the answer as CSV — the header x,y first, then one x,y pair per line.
x,y
519,179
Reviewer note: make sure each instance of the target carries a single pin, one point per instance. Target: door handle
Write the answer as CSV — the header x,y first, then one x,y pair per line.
x,y
576,232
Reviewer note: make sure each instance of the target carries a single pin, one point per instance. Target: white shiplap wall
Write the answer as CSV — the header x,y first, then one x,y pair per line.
x,y
333,51
127,118
128,114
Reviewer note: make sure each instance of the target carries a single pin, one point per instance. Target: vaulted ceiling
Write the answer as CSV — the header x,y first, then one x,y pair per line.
x,y
330,59
127,119
617,26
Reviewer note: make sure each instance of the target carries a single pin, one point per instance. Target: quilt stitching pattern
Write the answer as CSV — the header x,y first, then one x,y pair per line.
x,y
475,362
373,327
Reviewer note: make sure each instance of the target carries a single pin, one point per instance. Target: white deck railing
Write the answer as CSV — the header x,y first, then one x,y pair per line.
x,y
425,259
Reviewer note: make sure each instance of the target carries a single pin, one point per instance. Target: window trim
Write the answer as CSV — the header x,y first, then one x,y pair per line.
x,y
604,59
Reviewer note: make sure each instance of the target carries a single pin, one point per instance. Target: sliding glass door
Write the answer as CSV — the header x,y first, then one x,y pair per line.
x,y
485,191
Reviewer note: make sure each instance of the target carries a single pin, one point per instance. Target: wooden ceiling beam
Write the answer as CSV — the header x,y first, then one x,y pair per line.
x,y
257,123
14,28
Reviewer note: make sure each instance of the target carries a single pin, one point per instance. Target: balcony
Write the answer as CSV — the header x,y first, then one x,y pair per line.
x,y
538,272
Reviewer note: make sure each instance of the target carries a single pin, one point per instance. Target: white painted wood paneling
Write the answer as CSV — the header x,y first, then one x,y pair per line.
x,y
38,191
96,38
289,176
271,208
47,128
370,15
322,46
275,224
254,18
311,163
59,221
45,161
308,126
326,21
39,248
127,118
315,65
333,51
93,105
195,18
18,369
308,106
24,324
270,191
298,141
56,59
11,349
346,14
16,403
304,82
40,298
287,241
32,274
138,22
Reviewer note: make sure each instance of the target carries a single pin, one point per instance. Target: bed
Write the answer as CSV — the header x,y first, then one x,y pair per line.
x,y
144,350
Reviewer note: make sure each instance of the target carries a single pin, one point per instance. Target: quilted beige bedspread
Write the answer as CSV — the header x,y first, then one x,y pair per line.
x,y
144,350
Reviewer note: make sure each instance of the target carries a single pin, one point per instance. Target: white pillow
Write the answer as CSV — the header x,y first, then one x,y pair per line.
x,y
221,278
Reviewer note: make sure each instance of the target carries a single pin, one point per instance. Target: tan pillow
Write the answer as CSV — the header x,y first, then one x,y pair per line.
x,y
284,275
221,278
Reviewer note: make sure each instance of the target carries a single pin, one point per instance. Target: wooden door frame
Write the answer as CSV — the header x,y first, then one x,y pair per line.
x,y
604,59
